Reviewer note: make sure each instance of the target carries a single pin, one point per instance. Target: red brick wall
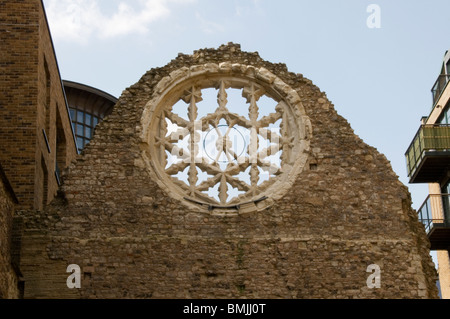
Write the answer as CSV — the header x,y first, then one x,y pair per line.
x,y
18,93
31,100
47,115
25,108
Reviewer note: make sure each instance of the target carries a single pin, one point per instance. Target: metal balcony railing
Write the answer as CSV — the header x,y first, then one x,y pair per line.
x,y
435,211
429,138
439,86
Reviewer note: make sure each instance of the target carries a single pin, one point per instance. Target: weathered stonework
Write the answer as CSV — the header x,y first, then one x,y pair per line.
x,y
9,286
132,238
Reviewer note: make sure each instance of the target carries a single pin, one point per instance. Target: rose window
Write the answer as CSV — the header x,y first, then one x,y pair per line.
x,y
223,142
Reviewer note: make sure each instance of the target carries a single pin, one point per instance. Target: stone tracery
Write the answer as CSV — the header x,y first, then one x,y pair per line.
x,y
237,151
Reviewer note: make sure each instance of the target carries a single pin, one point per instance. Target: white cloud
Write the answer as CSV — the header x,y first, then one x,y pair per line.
x,y
250,7
82,20
208,26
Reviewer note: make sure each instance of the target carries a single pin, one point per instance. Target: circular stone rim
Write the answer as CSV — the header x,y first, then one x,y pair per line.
x,y
207,72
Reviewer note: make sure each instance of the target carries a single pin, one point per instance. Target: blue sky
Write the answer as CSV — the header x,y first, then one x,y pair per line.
x,y
379,79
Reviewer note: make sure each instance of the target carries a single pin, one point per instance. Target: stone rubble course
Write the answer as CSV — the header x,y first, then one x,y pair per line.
x,y
133,237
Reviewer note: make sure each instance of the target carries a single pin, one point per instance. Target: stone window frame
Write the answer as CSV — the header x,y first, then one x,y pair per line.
x,y
172,88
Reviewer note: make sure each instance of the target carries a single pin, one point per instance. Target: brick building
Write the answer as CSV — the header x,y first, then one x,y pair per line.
x,y
35,127
36,137
35,133
219,175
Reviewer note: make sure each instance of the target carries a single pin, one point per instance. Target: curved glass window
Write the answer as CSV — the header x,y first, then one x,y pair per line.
x,y
83,124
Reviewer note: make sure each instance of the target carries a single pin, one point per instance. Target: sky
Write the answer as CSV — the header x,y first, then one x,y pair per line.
x,y
376,60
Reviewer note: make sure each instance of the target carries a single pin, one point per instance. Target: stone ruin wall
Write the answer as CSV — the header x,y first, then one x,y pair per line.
x,y
9,286
345,210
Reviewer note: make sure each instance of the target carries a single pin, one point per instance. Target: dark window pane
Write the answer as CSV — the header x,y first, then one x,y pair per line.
x,y
87,119
80,118
80,142
95,121
80,130
72,114
88,132
445,117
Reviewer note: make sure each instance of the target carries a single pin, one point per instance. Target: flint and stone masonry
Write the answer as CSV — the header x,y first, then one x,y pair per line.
x,y
331,208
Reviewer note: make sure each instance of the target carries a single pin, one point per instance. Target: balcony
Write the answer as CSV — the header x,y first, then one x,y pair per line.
x,y
434,214
428,156
439,86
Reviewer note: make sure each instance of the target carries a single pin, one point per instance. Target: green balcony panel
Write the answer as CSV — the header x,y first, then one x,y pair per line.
x,y
428,156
